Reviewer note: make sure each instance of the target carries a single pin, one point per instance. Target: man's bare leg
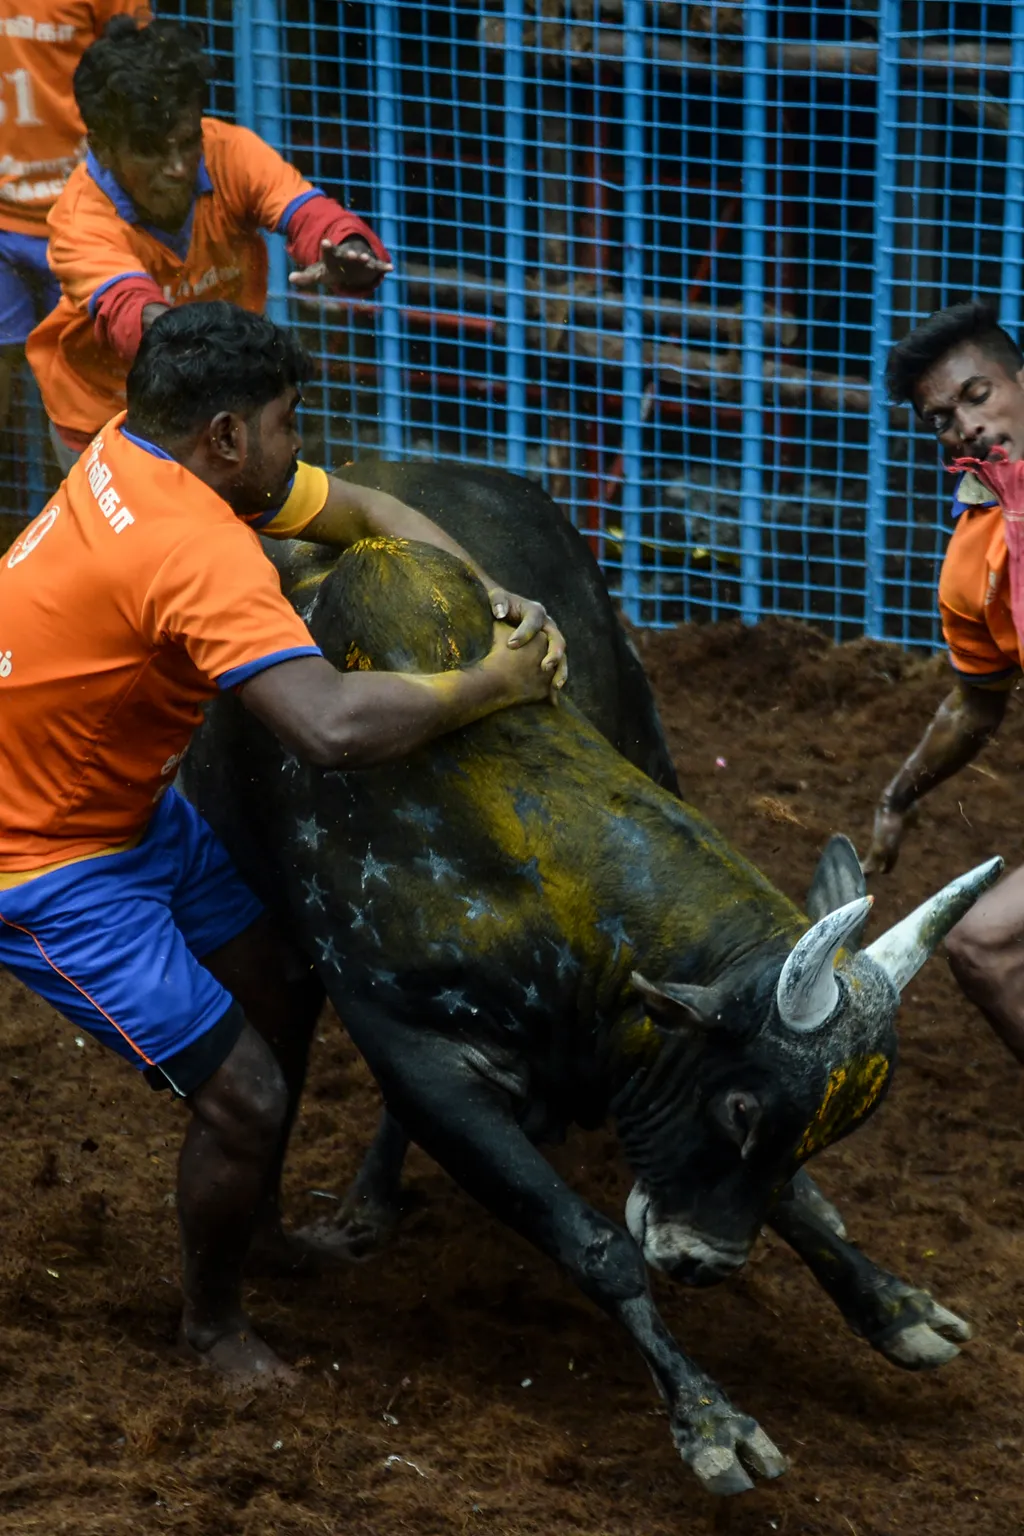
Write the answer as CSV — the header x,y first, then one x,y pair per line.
x,y
986,954
281,996
228,1152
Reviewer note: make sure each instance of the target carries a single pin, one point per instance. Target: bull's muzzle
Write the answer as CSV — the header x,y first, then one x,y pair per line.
x,y
678,1249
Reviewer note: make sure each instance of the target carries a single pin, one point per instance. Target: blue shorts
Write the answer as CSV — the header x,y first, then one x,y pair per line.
x,y
28,289
114,944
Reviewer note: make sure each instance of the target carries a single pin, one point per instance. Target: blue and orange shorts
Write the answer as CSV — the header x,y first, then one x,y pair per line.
x,y
115,944
28,289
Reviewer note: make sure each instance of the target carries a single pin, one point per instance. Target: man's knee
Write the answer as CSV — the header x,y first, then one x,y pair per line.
x,y
245,1103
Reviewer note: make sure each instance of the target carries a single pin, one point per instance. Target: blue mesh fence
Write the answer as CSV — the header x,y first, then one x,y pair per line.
x,y
654,254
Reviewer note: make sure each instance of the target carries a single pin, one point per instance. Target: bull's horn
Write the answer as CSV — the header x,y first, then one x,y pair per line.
x,y
903,950
807,992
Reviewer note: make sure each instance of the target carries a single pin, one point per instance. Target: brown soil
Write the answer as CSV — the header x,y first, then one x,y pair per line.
x,y
459,1384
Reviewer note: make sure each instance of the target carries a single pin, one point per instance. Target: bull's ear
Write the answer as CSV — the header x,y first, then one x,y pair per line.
x,y
837,881
679,1008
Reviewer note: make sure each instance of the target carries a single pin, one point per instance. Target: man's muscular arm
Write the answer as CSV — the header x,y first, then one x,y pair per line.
x,y
359,719
963,723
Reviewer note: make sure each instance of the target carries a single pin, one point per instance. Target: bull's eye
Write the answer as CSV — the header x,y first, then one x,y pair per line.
x,y
738,1113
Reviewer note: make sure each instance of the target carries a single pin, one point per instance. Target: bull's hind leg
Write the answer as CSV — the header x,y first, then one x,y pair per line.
x,y
466,1123
374,1205
900,1321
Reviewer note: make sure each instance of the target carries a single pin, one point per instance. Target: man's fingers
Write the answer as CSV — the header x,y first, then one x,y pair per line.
x,y
532,619
308,277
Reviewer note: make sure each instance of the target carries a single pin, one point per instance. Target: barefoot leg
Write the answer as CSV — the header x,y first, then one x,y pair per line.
x,y
232,1140
282,998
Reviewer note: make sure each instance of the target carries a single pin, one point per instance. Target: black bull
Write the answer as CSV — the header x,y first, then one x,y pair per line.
x,y
477,915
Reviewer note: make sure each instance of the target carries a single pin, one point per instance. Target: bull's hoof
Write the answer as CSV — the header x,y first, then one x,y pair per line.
x,y
362,1228
915,1332
723,1447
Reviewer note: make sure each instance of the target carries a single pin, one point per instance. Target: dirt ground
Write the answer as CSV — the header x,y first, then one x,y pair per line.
x,y
458,1383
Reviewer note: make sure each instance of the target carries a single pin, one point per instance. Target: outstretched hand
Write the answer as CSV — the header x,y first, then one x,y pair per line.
x,y
532,619
886,838
350,265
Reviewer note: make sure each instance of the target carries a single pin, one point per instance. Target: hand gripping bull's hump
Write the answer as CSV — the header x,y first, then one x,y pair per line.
x,y
521,930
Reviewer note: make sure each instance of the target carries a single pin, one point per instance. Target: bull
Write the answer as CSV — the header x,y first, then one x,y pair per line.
x,y
523,930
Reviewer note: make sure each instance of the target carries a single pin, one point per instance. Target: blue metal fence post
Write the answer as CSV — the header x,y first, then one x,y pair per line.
x,y
1013,206
385,106
888,108
632,301
755,83
515,240
259,46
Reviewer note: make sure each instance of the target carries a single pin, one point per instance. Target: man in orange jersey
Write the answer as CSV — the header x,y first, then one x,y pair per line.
x,y
138,593
964,376
42,138
167,208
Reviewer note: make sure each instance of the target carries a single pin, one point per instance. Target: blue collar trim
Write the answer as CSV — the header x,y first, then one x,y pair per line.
x,y
147,446
179,241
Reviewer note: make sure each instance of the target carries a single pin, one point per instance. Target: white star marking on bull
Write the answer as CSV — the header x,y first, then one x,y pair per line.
x,y
614,929
439,868
360,919
420,816
328,954
386,978
530,870
314,894
531,997
309,833
476,907
456,1001
567,961
373,869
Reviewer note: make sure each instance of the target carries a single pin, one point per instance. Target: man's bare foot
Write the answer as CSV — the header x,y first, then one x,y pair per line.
x,y
239,1355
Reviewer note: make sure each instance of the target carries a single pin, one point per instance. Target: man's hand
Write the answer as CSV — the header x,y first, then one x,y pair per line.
x,y
351,265
963,723
886,838
524,669
532,619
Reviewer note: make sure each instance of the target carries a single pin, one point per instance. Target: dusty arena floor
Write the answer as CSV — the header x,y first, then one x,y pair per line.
x,y
459,1384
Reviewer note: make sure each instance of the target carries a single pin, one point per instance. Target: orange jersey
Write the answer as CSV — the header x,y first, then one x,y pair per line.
x,y
974,590
244,186
133,597
41,133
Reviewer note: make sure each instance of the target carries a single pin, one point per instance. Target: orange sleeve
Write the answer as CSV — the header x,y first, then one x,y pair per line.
x,y
90,247
219,596
257,184
973,652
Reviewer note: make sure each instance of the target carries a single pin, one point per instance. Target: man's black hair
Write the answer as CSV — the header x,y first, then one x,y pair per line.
x,y
978,322
133,84
203,358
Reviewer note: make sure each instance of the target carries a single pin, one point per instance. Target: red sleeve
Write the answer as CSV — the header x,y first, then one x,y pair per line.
x,y
117,314
321,218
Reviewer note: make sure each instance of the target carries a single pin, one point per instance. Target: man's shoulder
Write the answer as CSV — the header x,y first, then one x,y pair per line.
x,y
78,185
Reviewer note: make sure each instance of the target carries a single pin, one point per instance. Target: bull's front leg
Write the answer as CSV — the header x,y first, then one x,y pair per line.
x,y
900,1321
467,1125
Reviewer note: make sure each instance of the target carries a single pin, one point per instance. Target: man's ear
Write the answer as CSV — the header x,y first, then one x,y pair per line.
x,y
229,439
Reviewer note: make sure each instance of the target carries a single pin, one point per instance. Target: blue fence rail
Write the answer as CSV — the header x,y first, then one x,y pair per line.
x,y
654,254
